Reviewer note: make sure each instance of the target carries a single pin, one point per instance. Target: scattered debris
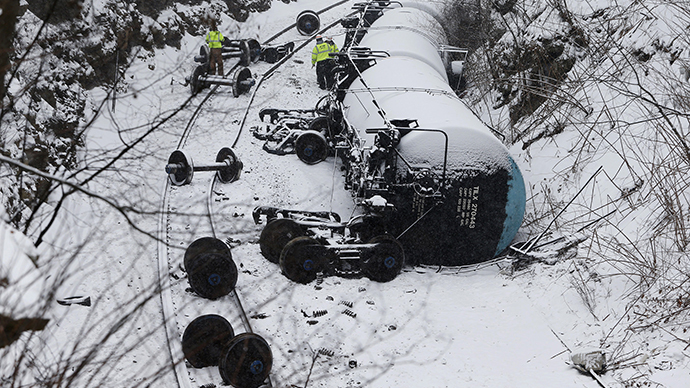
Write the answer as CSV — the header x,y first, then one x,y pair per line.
x,y
347,303
80,300
594,360
232,242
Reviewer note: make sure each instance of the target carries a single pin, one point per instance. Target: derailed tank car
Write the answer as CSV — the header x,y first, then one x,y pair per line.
x,y
458,194
431,177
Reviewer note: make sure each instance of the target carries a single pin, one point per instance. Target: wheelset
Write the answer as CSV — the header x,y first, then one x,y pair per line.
x,y
204,340
275,235
384,261
246,361
302,258
311,147
243,361
211,272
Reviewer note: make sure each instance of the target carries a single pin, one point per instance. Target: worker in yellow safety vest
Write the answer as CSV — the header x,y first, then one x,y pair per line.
x,y
320,56
215,43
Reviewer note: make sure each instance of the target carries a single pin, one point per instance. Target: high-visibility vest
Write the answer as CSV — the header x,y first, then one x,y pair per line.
x,y
321,51
214,39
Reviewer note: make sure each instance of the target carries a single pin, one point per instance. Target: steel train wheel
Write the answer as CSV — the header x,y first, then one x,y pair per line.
x,y
240,85
246,361
254,50
184,175
204,53
211,272
302,258
308,22
311,147
319,124
276,234
322,106
205,339
232,172
270,55
195,84
246,56
385,260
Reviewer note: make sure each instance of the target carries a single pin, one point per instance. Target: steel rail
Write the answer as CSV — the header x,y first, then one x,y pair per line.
x,y
164,282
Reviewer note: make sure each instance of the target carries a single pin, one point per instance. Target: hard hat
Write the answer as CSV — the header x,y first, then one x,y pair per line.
x,y
319,39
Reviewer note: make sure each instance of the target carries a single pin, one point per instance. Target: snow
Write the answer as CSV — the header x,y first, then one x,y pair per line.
x,y
469,141
486,326
22,283
421,41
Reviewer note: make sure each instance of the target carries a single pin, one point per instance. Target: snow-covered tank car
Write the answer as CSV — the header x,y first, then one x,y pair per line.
x,y
459,195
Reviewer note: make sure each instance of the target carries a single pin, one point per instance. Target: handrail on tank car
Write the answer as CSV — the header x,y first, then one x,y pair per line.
x,y
375,7
445,151
405,89
366,9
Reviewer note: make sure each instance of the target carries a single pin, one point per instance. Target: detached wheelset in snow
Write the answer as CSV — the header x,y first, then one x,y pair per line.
x,y
272,54
244,360
204,340
211,272
305,244
247,51
241,81
308,23
181,168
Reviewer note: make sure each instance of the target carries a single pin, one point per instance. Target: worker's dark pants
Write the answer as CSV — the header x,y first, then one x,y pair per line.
x,y
216,57
323,73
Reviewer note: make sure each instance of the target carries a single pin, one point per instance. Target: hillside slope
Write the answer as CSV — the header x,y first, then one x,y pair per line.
x,y
598,90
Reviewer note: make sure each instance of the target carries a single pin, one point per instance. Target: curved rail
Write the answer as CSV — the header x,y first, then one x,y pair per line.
x,y
171,330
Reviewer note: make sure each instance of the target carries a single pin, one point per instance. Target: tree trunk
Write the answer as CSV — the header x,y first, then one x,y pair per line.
x,y
9,9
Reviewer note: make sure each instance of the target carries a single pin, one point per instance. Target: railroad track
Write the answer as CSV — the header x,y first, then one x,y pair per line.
x,y
177,218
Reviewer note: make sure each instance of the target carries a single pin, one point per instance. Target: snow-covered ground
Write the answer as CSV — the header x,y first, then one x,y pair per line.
x,y
489,326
